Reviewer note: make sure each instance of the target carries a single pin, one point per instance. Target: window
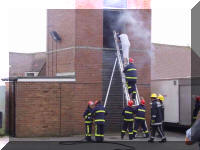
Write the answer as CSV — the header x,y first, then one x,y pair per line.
x,y
31,74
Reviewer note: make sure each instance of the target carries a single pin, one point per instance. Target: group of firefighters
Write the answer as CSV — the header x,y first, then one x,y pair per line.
x,y
157,116
96,111
132,114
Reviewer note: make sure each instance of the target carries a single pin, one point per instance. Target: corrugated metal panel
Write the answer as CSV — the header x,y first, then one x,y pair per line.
x,y
185,105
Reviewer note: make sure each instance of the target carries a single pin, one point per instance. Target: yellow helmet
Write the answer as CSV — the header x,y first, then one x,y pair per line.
x,y
160,97
153,95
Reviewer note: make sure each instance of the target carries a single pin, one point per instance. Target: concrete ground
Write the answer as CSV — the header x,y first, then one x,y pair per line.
x,y
112,141
171,136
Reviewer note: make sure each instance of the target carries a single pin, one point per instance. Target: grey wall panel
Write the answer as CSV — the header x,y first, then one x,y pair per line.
x,y
185,104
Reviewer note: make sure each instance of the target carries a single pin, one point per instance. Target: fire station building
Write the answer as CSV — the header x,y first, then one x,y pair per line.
x,y
77,67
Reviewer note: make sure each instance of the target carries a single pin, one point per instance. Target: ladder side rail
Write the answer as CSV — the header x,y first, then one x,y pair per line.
x,y
123,76
111,78
137,96
127,97
125,90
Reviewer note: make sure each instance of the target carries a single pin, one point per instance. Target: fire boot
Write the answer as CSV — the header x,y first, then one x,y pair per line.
x,y
151,140
122,134
88,138
146,135
130,136
163,140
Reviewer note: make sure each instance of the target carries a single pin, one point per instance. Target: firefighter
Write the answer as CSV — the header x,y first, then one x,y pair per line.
x,y
161,99
140,119
131,78
125,46
128,120
156,119
88,121
98,114
196,109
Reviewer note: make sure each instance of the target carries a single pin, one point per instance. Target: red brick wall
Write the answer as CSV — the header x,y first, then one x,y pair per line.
x,y
63,22
76,28
89,27
37,109
63,63
52,109
89,32
88,66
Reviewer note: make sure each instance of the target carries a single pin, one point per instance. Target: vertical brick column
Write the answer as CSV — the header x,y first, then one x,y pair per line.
x,y
63,22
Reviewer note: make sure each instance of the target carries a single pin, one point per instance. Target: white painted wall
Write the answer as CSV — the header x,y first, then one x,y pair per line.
x,y
171,94
2,106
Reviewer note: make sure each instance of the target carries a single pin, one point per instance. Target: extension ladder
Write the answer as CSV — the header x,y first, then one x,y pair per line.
x,y
121,68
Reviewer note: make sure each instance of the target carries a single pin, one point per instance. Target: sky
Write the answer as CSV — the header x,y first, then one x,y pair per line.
x,y
23,25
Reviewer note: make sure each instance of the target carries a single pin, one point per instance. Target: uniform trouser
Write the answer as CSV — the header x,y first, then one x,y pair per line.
x,y
194,119
125,50
162,127
157,128
127,125
99,132
88,131
132,88
137,124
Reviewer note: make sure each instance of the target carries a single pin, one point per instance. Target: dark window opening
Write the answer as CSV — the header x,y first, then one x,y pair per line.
x,y
110,23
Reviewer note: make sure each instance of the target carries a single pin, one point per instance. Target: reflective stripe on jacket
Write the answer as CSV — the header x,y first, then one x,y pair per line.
x,y
88,115
156,113
98,113
140,112
128,113
130,72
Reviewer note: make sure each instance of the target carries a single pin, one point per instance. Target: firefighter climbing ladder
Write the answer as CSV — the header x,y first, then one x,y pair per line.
x,y
121,68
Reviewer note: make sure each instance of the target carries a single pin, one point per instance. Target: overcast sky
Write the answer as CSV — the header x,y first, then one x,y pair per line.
x,y
23,24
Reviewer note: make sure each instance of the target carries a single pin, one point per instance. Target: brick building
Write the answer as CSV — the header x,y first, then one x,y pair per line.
x,y
78,69
175,73
21,65
32,64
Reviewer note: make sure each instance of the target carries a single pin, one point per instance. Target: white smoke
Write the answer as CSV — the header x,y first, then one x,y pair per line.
x,y
134,24
138,28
